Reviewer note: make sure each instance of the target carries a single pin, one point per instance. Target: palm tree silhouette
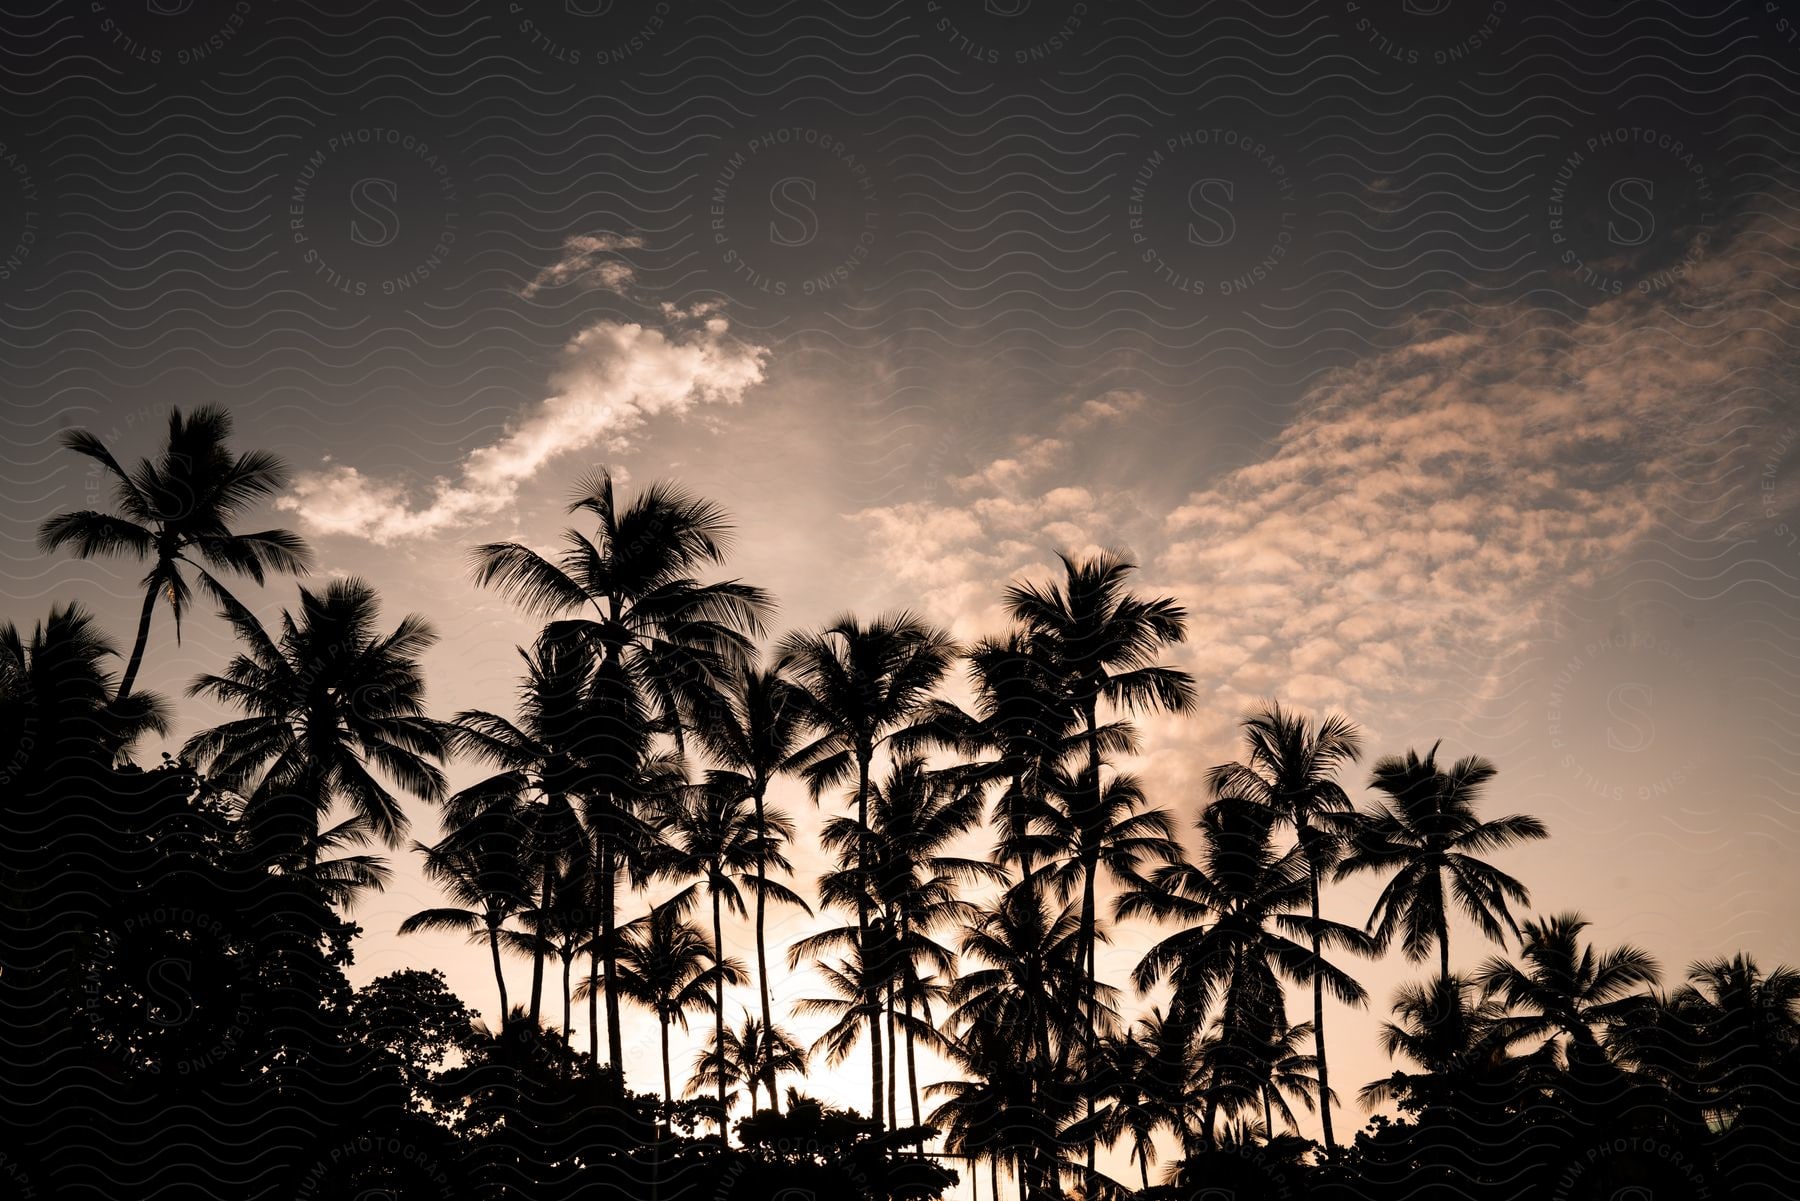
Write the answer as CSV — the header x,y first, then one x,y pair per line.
x,y
868,685
1564,989
668,965
542,757
481,866
753,1053
1291,768
664,642
57,698
176,511
325,701
1252,893
1427,835
1104,642
710,832
755,727
1456,1037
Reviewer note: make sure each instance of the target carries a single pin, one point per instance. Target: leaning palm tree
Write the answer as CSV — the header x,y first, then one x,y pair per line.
x,y
868,684
176,511
329,701
1564,989
1291,769
57,698
1104,642
709,832
755,727
482,867
1427,836
663,641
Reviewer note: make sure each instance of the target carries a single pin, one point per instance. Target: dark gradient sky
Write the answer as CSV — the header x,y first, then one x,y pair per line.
x,y
1439,357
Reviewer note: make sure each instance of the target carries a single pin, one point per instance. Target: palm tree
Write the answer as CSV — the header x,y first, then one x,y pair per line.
x,y
1251,892
1291,768
752,1053
542,758
664,641
176,511
756,727
711,833
668,965
1740,1029
1427,835
867,686
914,817
482,867
1142,1085
1457,1038
325,701
1564,988
57,699
1023,1002
1104,642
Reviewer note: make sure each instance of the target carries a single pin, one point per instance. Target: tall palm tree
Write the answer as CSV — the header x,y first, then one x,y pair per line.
x,y
664,641
668,965
1428,836
868,685
57,698
482,867
542,757
176,511
1564,989
711,833
1291,768
1104,642
755,727
326,700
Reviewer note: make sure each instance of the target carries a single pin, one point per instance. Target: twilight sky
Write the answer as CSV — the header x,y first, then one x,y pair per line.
x,y
1439,360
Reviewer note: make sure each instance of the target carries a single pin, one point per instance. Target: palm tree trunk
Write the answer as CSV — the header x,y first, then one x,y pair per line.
x,y
1444,952
567,959
668,1085
994,1176
1088,929
1268,1116
537,946
1318,989
499,971
143,639
876,1113
893,1079
912,1070
609,957
762,956
719,1007
594,1002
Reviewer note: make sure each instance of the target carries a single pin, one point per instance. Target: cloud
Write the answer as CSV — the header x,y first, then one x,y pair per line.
x,y
1428,508
608,381
588,260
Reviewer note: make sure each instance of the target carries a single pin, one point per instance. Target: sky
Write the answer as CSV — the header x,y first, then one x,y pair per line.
x,y
1440,362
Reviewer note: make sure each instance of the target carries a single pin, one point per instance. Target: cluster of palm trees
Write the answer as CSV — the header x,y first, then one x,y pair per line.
x,y
637,763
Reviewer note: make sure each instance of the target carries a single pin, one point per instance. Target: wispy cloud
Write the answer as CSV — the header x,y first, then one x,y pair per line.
x,y
1427,507
608,381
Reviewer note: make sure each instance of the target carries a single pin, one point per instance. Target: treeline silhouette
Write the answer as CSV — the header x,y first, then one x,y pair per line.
x,y
178,1020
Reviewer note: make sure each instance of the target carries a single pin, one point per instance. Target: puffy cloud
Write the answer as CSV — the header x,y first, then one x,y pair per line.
x,y
608,381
